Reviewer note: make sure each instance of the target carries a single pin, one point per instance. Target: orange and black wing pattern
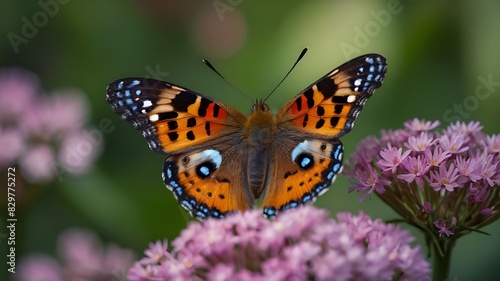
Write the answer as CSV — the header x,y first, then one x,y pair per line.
x,y
170,117
315,119
330,105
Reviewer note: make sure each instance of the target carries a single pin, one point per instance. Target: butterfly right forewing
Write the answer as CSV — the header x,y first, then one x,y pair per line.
x,y
330,106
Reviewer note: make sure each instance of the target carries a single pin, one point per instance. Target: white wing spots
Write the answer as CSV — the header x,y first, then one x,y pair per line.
x,y
213,155
333,72
351,98
154,118
147,103
133,83
301,147
358,82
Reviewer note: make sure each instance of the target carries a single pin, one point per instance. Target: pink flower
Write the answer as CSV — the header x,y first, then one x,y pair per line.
x,y
493,143
44,135
453,143
443,227
392,158
450,173
308,245
82,257
420,142
417,168
444,178
420,125
369,180
435,158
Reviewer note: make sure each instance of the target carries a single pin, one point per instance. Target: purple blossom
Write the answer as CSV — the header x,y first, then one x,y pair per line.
x,y
392,158
420,125
437,156
469,168
453,143
451,173
369,180
14,140
18,89
301,244
82,258
416,167
420,142
493,143
44,135
444,178
463,128
443,228
426,208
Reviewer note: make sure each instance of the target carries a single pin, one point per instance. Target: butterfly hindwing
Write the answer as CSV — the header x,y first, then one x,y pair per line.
x,y
304,169
330,105
208,182
171,117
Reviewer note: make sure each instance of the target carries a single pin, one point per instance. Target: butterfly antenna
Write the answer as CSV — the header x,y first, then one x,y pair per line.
x,y
231,84
297,61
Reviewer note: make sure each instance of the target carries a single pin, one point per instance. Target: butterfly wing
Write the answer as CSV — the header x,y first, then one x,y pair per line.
x,y
170,117
202,137
208,182
310,154
330,105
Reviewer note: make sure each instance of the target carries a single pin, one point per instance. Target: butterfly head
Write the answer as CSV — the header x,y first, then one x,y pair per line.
x,y
260,105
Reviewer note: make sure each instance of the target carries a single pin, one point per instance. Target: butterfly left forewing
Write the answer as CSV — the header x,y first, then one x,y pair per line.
x,y
171,117
309,154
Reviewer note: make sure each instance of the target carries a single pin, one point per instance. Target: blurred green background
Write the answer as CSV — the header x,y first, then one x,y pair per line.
x,y
436,51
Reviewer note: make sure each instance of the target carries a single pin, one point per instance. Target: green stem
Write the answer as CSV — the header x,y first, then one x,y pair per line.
x,y
441,263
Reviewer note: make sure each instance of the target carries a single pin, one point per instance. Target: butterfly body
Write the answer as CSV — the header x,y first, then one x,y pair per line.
x,y
221,161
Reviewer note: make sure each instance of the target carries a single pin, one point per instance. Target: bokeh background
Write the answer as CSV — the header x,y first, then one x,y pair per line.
x,y
436,51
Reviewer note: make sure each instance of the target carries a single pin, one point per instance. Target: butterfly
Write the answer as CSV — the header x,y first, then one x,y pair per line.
x,y
221,161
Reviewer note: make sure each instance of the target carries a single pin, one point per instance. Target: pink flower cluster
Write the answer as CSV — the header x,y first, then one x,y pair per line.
x,y
443,180
83,258
44,135
301,244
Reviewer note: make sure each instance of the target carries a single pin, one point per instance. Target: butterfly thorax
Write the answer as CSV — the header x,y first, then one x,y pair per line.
x,y
260,132
260,127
